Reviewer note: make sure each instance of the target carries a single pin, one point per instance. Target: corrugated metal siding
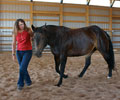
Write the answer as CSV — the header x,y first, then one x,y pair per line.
x,y
99,18
9,15
46,8
114,26
74,18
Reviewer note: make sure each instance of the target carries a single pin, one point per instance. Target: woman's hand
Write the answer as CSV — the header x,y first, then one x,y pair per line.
x,y
14,47
14,58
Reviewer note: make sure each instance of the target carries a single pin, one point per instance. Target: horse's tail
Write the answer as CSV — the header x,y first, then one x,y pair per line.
x,y
106,49
111,52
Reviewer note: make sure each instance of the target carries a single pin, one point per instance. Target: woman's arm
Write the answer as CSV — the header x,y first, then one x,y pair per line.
x,y
14,46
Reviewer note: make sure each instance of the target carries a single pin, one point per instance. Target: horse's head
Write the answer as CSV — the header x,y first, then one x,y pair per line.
x,y
40,39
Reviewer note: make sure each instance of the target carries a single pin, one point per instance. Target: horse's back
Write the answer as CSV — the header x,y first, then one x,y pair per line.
x,y
79,41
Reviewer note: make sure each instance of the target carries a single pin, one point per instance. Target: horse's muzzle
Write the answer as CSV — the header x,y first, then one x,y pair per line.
x,y
38,54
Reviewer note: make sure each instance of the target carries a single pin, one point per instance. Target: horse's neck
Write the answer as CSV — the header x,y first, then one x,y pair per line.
x,y
53,40
54,36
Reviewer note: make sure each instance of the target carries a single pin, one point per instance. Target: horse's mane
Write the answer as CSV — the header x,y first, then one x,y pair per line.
x,y
61,28
64,27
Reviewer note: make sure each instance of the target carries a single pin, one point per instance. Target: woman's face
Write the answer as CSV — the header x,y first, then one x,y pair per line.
x,y
21,25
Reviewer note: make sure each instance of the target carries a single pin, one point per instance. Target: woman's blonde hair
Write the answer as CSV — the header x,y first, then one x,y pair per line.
x,y
16,26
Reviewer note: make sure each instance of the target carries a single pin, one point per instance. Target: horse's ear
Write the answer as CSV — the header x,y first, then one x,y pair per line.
x,y
45,24
33,28
45,27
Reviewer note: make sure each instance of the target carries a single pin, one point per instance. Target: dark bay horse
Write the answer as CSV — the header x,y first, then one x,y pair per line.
x,y
65,42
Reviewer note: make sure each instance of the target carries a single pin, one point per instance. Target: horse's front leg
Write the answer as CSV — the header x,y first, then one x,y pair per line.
x,y
62,69
57,63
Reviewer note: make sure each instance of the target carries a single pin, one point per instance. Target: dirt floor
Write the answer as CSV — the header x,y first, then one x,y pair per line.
x,y
93,86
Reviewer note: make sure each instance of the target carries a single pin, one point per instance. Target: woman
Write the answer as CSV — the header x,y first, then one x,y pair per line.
x,y
22,34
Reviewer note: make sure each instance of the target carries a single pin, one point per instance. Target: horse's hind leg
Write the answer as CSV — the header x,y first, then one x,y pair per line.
x,y
109,66
106,57
87,63
57,64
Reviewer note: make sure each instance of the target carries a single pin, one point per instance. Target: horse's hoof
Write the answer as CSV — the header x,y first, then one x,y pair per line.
x,y
80,76
58,85
108,77
65,76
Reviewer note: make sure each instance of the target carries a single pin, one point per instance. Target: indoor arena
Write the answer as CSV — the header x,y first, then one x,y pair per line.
x,y
59,49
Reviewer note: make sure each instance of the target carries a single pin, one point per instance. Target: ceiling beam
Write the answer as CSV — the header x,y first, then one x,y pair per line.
x,y
61,2
112,3
88,2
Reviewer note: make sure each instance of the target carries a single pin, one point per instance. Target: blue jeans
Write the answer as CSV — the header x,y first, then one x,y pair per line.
x,y
23,58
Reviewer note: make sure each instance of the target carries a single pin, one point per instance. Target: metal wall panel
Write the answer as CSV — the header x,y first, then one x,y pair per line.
x,y
80,10
74,25
9,15
14,15
99,12
14,7
41,23
45,17
45,8
116,28
74,18
99,18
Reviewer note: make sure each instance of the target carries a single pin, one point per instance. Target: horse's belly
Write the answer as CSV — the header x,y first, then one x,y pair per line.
x,y
80,47
79,51
71,53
